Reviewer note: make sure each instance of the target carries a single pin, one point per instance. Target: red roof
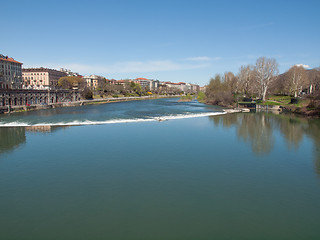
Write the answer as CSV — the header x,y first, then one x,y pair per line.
x,y
141,79
7,59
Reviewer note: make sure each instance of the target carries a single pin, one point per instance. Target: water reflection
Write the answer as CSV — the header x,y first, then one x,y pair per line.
x,y
258,129
11,138
312,131
253,128
292,129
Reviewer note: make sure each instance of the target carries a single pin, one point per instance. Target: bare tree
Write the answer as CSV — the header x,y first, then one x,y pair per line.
x,y
231,81
295,80
245,77
265,71
314,80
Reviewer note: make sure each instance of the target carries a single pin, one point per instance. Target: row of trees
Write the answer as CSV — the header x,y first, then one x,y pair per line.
x,y
73,82
128,88
261,79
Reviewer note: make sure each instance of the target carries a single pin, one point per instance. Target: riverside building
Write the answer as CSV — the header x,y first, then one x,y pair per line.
x,y
145,83
41,78
94,82
10,73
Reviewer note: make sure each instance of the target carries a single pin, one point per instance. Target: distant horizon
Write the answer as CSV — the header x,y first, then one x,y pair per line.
x,y
178,41
307,67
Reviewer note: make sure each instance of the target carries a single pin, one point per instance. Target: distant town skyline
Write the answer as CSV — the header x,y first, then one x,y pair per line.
x,y
179,41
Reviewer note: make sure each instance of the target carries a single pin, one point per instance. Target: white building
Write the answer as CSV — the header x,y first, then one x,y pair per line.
x,y
150,84
69,72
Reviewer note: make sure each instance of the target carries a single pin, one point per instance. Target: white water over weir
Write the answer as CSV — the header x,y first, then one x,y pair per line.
x,y
112,121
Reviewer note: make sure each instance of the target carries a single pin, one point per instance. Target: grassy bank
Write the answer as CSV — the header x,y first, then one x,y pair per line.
x,y
186,98
307,106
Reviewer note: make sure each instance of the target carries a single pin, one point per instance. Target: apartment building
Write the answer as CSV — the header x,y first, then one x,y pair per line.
x,y
145,83
94,81
41,78
10,73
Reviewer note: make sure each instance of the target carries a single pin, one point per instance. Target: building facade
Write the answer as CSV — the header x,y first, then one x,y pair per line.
x,y
10,73
70,73
94,82
181,87
150,84
41,78
23,97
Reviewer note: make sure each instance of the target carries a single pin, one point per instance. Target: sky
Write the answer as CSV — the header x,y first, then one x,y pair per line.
x,y
169,40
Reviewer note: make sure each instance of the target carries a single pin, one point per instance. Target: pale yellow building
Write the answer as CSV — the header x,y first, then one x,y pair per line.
x,y
94,82
41,78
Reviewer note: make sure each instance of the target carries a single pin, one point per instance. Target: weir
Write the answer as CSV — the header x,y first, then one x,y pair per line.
x,y
109,121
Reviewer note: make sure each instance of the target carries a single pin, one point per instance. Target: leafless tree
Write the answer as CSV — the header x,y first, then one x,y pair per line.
x,y
295,80
231,81
245,78
265,71
314,80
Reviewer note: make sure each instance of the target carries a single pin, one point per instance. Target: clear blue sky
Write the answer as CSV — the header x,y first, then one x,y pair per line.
x,y
168,40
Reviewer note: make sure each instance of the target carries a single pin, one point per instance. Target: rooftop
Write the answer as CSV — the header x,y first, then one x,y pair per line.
x,y
40,69
8,59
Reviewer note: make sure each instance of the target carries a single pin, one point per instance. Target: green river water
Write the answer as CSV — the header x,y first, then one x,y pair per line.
x,y
114,171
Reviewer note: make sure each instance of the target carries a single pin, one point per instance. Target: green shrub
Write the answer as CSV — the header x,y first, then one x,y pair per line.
x,y
201,96
188,97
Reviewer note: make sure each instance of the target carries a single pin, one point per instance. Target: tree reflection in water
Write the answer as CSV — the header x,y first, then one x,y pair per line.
x,y
313,132
257,128
11,138
253,128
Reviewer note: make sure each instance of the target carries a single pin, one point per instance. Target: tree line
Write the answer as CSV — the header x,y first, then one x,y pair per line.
x,y
130,88
127,88
261,79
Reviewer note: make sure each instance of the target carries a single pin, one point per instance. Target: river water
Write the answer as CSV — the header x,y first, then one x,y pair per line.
x,y
114,171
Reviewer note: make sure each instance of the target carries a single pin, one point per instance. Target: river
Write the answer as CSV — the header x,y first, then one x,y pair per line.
x,y
114,171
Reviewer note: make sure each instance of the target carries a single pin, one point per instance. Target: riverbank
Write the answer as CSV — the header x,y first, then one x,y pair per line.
x,y
311,112
12,109
306,107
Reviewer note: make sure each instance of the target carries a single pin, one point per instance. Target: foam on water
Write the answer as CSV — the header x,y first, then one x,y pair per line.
x,y
112,121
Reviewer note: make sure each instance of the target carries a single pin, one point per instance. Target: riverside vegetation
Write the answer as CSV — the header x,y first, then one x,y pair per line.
x,y
297,90
186,98
106,89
